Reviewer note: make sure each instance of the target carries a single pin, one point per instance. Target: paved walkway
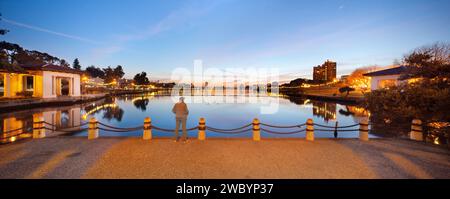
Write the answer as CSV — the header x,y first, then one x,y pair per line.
x,y
76,157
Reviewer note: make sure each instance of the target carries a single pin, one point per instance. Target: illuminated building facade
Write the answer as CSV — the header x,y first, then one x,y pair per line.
x,y
386,78
48,81
325,72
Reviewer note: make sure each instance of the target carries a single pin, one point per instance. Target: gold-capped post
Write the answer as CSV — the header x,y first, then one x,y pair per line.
x,y
93,129
201,129
256,130
310,130
416,130
364,129
147,135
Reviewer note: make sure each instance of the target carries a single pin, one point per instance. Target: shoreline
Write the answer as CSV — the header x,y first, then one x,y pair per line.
x,y
324,95
23,104
351,100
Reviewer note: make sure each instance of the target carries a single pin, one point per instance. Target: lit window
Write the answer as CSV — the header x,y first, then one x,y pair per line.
x,y
29,83
387,83
2,85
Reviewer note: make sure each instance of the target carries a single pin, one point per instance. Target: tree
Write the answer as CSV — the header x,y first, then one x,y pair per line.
x,y
76,64
357,79
11,53
297,82
118,72
112,74
109,74
95,72
64,63
141,79
429,62
43,57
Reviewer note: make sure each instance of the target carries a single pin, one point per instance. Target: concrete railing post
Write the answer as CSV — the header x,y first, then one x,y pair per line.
x,y
256,130
201,129
364,129
93,129
147,129
416,130
38,129
309,130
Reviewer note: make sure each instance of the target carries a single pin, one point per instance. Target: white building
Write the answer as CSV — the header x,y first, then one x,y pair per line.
x,y
47,81
385,78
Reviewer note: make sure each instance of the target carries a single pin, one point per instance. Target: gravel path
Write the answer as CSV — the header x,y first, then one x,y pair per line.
x,y
76,157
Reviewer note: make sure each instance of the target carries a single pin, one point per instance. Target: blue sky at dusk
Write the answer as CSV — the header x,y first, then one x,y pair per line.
x,y
293,35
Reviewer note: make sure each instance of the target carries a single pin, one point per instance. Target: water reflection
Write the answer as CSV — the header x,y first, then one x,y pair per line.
x,y
292,110
109,108
113,113
141,102
325,110
23,120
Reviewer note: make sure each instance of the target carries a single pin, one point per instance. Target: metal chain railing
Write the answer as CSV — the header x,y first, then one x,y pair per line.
x,y
254,127
120,128
336,128
234,129
283,133
277,126
227,131
339,127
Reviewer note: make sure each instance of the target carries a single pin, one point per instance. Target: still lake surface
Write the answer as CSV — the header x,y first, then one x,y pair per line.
x,y
131,110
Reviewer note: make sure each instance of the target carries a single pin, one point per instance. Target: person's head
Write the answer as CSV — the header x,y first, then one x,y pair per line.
x,y
181,99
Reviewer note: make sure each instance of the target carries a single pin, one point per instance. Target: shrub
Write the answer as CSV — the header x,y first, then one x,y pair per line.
x,y
346,89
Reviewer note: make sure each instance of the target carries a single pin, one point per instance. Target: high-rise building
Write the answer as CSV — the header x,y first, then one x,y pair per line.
x,y
325,72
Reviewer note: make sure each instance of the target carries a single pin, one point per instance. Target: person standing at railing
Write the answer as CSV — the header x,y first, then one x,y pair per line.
x,y
181,112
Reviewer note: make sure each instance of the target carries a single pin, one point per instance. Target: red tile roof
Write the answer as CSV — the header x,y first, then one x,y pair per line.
x,y
54,68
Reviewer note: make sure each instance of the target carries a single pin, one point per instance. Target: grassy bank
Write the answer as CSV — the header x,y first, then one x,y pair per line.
x,y
330,93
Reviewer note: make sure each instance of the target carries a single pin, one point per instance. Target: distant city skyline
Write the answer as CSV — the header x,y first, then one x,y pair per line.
x,y
159,36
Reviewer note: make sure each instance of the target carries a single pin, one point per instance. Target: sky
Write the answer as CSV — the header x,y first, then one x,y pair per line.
x,y
290,35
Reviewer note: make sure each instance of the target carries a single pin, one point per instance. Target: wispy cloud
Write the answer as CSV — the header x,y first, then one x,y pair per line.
x,y
171,21
39,29
174,19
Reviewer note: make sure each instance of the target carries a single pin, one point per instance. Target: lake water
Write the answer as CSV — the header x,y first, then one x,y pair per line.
x,y
130,111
